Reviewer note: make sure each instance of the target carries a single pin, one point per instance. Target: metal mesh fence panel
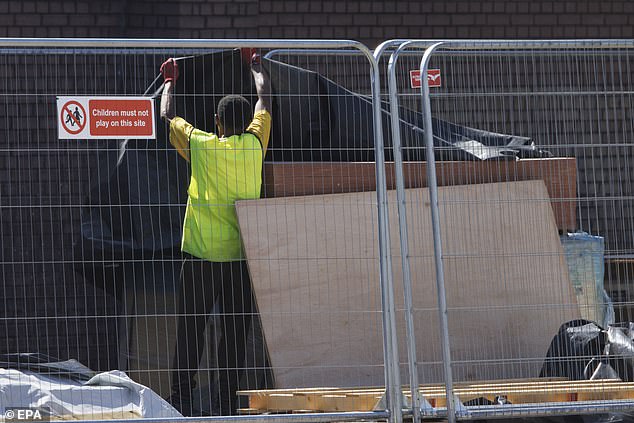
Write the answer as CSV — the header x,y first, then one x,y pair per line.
x,y
92,267
531,145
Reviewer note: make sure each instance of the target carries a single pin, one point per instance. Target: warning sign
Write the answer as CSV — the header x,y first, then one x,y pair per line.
x,y
433,78
106,117
73,117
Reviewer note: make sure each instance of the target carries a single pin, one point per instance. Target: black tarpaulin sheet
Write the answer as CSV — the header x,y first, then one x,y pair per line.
x,y
136,208
584,350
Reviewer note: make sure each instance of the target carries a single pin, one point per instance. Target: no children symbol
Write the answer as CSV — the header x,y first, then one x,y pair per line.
x,y
105,117
73,117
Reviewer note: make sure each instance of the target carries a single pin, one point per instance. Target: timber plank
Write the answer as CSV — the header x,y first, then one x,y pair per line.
x,y
516,392
288,179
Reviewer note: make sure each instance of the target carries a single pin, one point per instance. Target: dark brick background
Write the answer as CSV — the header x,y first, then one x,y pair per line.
x,y
45,301
367,21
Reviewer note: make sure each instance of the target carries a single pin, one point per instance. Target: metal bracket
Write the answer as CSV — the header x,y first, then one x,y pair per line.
x,y
460,409
406,402
426,409
381,404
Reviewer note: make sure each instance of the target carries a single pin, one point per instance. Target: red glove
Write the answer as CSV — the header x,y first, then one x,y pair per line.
x,y
255,59
169,70
247,54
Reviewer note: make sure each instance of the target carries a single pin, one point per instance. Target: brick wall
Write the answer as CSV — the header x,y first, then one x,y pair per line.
x,y
40,287
370,21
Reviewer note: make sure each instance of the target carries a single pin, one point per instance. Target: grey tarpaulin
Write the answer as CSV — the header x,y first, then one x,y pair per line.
x,y
43,364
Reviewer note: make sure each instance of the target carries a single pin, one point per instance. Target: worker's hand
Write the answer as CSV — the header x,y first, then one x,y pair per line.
x,y
169,70
247,54
260,75
256,59
262,84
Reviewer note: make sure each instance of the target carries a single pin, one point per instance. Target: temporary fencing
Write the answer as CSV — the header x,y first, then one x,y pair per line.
x,y
92,226
524,120
494,161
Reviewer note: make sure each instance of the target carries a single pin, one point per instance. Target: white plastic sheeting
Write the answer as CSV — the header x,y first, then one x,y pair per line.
x,y
585,258
109,395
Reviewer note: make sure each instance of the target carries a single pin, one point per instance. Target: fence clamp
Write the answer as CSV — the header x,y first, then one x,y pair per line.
x,y
381,404
460,409
426,409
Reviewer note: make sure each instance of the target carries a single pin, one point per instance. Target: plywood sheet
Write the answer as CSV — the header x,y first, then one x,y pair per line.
x,y
313,262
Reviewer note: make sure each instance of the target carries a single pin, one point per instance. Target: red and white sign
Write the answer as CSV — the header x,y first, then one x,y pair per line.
x,y
433,78
105,117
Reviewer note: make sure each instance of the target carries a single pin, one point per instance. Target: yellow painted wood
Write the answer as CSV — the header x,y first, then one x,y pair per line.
x,y
365,399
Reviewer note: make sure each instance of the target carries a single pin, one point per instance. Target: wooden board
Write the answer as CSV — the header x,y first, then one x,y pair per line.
x,y
366,399
313,262
305,178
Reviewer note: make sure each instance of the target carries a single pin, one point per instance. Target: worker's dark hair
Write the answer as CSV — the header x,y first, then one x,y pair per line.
x,y
235,113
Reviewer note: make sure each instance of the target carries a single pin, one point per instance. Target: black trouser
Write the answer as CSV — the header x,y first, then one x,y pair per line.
x,y
203,283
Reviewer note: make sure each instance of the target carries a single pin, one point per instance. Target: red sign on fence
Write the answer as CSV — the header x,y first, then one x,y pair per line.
x,y
433,78
73,117
105,117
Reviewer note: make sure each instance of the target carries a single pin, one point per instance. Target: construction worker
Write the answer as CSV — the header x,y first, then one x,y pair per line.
x,y
225,167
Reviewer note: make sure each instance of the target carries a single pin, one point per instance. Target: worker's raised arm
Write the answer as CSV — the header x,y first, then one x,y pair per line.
x,y
262,85
261,124
169,70
180,129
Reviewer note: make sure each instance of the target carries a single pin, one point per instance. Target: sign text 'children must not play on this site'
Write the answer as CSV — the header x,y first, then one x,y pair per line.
x,y
105,117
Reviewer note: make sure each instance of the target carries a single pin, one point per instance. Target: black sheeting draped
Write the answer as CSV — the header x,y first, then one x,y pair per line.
x,y
137,207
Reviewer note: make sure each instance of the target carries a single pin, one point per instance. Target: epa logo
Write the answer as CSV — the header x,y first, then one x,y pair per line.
x,y
26,414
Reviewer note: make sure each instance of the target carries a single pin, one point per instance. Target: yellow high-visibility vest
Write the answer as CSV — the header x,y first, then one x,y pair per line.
x,y
223,170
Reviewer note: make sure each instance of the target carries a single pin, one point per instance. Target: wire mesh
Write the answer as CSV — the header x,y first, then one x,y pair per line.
x,y
92,267
531,142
